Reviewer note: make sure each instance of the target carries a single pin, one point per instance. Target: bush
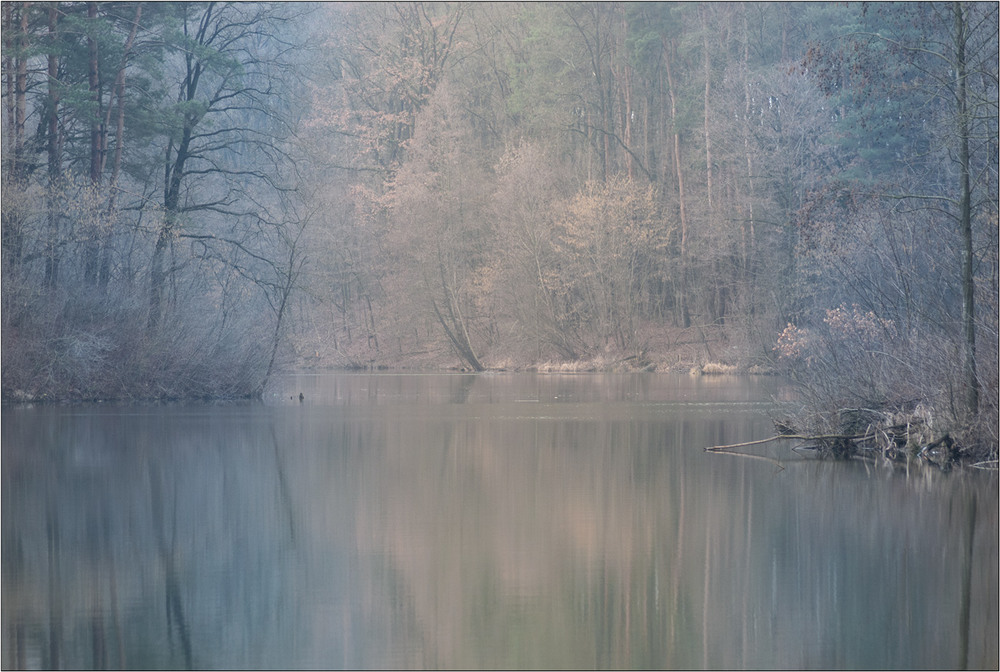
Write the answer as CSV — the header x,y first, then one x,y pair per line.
x,y
855,370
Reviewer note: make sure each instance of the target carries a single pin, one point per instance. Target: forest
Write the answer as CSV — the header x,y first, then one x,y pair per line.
x,y
199,195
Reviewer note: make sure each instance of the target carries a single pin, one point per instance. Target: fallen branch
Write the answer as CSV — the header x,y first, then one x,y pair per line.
x,y
801,437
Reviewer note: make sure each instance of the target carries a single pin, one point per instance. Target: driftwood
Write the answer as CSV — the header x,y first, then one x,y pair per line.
x,y
801,437
887,440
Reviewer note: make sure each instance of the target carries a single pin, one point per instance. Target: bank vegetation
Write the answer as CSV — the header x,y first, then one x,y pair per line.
x,y
198,195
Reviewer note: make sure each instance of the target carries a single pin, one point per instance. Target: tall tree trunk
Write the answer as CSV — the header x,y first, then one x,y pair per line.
x,y
119,90
621,87
20,100
91,248
965,217
453,321
685,315
157,277
11,234
718,290
286,291
171,199
629,114
708,91
94,84
748,228
288,279
54,158
173,173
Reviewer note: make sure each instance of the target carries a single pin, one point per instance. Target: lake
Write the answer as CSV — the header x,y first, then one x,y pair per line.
x,y
480,521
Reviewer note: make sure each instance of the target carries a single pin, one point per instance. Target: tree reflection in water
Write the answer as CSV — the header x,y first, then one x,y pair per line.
x,y
440,522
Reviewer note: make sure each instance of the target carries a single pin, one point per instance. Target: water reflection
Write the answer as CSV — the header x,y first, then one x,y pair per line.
x,y
503,521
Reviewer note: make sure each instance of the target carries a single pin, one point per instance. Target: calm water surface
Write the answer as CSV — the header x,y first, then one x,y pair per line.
x,y
491,521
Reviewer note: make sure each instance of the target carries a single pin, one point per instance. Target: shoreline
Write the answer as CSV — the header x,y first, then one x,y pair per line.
x,y
896,449
17,396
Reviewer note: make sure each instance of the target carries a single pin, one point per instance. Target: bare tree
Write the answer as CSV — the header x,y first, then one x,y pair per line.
x,y
233,67
437,206
604,233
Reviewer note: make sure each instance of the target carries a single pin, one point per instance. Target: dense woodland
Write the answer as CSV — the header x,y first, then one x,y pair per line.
x,y
198,195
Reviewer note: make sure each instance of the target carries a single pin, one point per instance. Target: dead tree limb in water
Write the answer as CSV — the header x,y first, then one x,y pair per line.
x,y
801,437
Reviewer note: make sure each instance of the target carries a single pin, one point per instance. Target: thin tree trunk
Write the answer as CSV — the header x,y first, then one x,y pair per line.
x,y
157,277
286,290
54,159
708,136
105,270
965,222
92,246
120,93
748,250
20,99
454,323
718,291
94,83
683,299
629,112
289,281
11,234
8,64
173,173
